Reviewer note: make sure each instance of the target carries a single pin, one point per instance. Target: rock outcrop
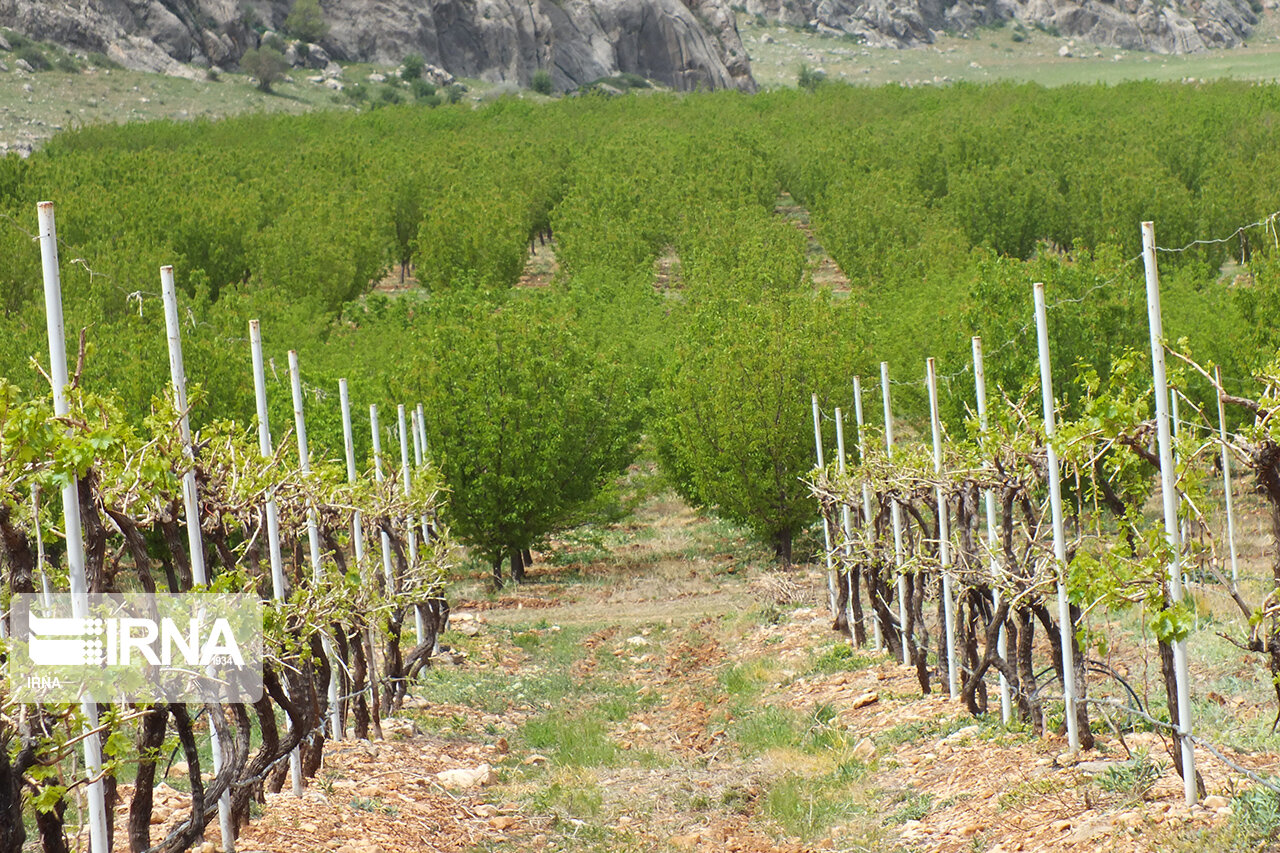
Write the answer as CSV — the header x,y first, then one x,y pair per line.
x,y
685,44
1161,26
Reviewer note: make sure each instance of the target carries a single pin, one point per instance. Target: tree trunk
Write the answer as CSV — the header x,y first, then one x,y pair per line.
x,y
1169,674
497,571
517,565
782,547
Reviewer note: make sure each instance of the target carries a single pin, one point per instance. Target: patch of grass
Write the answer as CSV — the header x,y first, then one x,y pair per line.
x,y
570,794
571,740
747,680
1028,791
912,805
769,727
373,804
837,657
1256,813
1132,778
807,806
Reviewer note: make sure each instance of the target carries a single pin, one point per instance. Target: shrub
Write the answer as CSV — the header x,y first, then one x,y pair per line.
x,y
413,66
274,42
455,92
67,64
541,82
306,21
101,60
265,63
423,89
33,56
810,78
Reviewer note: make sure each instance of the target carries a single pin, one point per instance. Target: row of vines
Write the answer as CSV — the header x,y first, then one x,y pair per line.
x,y
1026,533
339,652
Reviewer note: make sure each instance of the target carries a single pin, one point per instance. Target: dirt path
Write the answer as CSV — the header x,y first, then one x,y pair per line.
x,y
648,692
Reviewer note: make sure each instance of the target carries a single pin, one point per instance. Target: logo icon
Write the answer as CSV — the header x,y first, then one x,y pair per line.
x,y
196,647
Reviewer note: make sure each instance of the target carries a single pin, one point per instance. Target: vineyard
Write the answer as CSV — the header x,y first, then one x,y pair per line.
x,y
1001,526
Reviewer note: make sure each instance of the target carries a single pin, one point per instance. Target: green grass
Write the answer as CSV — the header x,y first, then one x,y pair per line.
x,y
768,727
807,806
837,657
912,805
571,740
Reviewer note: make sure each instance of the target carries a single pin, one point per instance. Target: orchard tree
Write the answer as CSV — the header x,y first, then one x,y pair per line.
x,y
735,426
526,420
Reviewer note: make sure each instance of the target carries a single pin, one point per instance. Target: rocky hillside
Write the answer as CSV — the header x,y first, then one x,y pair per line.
x,y
685,44
1161,26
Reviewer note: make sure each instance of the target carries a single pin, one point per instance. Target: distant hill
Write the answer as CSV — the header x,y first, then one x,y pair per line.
x,y
684,44
1162,26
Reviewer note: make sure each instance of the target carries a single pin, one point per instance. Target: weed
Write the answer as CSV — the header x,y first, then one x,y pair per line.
x,y
1028,791
838,657
573,741
572,795
803,806
373,804
769,728
1257,813
1132,778
915,806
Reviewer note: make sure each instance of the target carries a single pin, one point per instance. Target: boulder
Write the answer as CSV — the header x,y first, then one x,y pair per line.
x,y
467,777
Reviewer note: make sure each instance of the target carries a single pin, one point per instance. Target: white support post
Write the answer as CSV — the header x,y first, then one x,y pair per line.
x,y
944,535
313,542
896,513
826,528
419,624
846,521
1065,626
279,589
191,506
419,431
377,476
349,450
1226,479
989,499
867,517
1169,496
357,523
95,794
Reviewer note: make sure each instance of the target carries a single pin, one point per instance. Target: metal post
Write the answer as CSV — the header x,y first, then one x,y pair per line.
x,y
867,517
1169,500
1226,478
944,534
989,499
95,794
191,506
1065,625
419,624
826,528
896,513
377,476
313,541
279,588
846,522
